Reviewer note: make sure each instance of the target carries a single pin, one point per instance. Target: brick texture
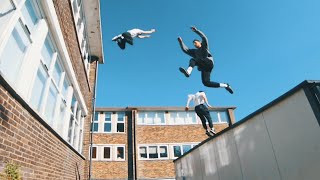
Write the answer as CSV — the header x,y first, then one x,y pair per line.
x,y
66,21
38,152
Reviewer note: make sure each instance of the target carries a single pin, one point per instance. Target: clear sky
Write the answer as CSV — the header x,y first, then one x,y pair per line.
x,y
261,48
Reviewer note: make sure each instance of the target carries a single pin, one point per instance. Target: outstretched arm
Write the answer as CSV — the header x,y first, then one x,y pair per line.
x,y
148,32
203,37
184,48
143,36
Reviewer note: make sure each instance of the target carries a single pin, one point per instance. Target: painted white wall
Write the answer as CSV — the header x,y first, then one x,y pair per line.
x,y
281,142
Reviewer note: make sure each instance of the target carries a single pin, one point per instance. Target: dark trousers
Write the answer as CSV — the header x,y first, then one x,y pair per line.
x,y
127,38
206,67
204,114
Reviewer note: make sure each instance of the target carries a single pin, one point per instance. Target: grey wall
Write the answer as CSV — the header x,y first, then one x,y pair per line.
x,y
280,143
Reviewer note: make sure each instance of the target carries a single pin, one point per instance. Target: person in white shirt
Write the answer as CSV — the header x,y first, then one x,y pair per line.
x,y
199,99
127,37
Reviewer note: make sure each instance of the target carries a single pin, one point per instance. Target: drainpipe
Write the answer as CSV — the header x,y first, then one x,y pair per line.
x,y
93,59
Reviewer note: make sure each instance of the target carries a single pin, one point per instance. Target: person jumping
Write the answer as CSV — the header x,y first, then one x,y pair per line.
x,y
127,37
202,110
202,58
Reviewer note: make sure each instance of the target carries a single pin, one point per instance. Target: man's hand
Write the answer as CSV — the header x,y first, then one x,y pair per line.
x,y
153,30
193,28
179,39
186,108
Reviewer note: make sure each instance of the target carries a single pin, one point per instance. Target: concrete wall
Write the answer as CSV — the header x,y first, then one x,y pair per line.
x,y
280,142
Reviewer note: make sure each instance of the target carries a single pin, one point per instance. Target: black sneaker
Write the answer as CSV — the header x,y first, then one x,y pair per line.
x,y
228,88
184,72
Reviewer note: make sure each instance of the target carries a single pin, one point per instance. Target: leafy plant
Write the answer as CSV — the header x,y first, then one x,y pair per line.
x,y
12,171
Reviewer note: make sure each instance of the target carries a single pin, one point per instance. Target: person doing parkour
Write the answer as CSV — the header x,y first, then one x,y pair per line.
x,y
202,58
202,110
127,37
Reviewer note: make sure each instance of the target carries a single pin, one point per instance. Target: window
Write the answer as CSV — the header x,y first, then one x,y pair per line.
x,y
5,9
106,152
61,116
70,129
112,123
47,53
120,122
109,152
143,152
153,152
35,68
94,152
29,15
177,151
51,103
14,51
57,72
219,116
181,149
38,88
163,151
96,122
107,122
151,118
120,153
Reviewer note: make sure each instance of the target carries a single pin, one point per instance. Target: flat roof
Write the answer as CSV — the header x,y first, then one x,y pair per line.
x,y
300,86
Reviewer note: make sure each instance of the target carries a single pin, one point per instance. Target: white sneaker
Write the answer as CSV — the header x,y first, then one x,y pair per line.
x,y
213,132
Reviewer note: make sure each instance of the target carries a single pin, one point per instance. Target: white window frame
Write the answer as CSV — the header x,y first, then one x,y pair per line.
x,y
97,152
147,146
219,117
114,122
113,152
107,122
102,153
47,24
181,147
144,120
185,119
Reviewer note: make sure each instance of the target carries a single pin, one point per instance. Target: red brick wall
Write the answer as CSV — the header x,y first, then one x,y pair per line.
x,y
167,134
66,21
38,152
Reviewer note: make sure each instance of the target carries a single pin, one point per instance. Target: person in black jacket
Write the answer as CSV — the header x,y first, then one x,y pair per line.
x,y
202,58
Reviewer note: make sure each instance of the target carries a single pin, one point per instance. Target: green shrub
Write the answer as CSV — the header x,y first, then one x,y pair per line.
x,y
11,172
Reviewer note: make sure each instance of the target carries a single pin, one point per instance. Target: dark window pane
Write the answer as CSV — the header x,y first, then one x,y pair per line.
x,y
94,152
120,153
143,152
106,152
177,151
95,127
186,148
120,127
107,116
163,151
107,127
153,152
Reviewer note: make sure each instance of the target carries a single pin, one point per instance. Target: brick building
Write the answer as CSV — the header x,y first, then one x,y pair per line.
x,y
142,142
49,54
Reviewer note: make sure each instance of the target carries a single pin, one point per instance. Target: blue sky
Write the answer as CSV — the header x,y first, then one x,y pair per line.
x,y
262,48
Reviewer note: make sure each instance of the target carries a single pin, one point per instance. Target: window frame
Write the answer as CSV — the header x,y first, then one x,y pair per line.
x,y
143,120
147,146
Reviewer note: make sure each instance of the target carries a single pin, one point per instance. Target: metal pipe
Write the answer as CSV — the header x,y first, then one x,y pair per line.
x,y
96,59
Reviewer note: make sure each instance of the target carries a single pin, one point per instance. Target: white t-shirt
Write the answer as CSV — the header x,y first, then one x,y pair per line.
x,y
197,98
135,32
